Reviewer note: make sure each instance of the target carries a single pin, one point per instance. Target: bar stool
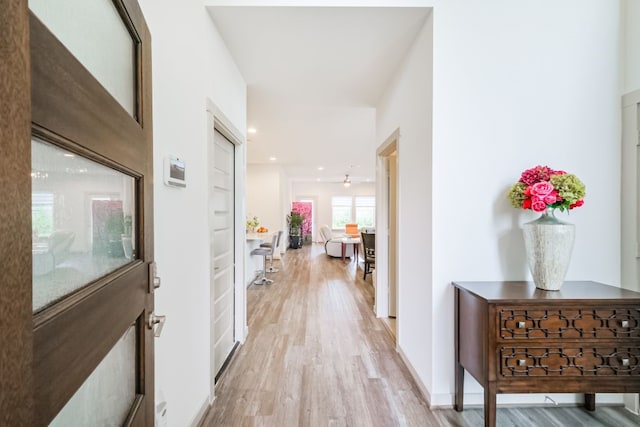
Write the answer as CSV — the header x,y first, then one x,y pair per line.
x,y
265,252
275,248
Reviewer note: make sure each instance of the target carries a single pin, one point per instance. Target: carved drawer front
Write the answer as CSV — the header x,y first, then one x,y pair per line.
x,y
570,361
527,323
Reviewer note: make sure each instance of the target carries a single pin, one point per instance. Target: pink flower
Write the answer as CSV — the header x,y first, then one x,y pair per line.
x,y
536,174
538,205
541,189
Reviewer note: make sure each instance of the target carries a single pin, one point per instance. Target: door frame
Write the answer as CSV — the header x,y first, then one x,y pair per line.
x,y
217,120
16,332
381,272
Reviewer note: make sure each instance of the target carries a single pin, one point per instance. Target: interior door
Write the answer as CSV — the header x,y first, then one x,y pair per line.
x,y
222,233
91,259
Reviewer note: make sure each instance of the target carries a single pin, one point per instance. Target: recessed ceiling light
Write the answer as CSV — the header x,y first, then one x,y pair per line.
x,y
272,158
320,168
252,130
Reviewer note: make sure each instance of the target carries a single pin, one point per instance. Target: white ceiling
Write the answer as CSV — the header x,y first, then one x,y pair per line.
x,y
314,76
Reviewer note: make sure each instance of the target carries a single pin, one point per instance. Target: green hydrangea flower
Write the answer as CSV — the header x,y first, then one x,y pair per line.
x,y
569,188
516,194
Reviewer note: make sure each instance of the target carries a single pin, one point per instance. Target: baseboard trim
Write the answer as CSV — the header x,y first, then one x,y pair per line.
x,y
632,403
389,329
202,413
421,387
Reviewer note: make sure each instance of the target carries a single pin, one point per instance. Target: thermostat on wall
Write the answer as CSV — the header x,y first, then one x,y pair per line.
x,y
174,172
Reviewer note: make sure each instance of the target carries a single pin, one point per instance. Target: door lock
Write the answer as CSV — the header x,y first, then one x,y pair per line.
x,y
154,280
156,320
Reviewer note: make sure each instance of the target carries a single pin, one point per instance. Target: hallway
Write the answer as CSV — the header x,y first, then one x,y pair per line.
x,y
316,356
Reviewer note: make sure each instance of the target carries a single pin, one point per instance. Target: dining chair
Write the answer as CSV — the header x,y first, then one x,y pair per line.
x,y
369,252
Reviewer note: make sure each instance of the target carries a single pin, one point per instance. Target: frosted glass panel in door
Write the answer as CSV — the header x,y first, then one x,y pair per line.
x,y
82,221
93,31
106,396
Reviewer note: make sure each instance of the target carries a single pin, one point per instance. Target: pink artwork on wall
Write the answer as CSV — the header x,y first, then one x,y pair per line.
x,y
304,208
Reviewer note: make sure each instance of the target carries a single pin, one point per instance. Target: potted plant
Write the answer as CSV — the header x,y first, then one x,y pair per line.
x,y
548,241
294,219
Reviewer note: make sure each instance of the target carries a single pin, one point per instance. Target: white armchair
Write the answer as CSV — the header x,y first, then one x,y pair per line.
x,y
333,244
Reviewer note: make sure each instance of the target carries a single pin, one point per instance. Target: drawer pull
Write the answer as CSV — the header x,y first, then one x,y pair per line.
x,y
521,325
625,362
522,362
624,323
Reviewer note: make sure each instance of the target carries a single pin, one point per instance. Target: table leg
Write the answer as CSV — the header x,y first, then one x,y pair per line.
x,y
590,401
344,247
459,370
490,405
459,396
356,251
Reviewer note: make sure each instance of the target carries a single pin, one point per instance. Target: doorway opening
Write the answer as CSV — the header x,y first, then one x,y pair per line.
x,y
305,206
386,273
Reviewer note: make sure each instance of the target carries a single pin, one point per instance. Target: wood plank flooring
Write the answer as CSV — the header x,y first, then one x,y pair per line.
x,y
317,356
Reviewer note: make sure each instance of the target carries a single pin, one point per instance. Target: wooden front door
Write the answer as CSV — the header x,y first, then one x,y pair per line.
x,y
92,217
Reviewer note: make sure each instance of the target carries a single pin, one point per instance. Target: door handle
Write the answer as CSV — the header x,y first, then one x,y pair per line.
x,y
156,320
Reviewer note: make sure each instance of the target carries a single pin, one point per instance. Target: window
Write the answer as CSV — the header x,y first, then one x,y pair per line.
x,y
341,209
42,214
349,209
365,211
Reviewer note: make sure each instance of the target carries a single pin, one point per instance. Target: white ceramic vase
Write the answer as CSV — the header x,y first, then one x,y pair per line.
x,y
548,243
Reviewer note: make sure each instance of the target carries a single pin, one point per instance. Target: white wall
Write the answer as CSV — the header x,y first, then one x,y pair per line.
x,y
321,193
264,198
190,64
506,97
407,105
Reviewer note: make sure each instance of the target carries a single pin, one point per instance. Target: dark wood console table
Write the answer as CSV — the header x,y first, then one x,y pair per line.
x,y
514,338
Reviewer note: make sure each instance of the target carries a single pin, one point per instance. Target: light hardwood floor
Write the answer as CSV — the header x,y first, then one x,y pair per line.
x,y
317,356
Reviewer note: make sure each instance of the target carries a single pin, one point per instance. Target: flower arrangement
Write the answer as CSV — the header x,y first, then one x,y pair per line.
x,y
252,222
541,187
